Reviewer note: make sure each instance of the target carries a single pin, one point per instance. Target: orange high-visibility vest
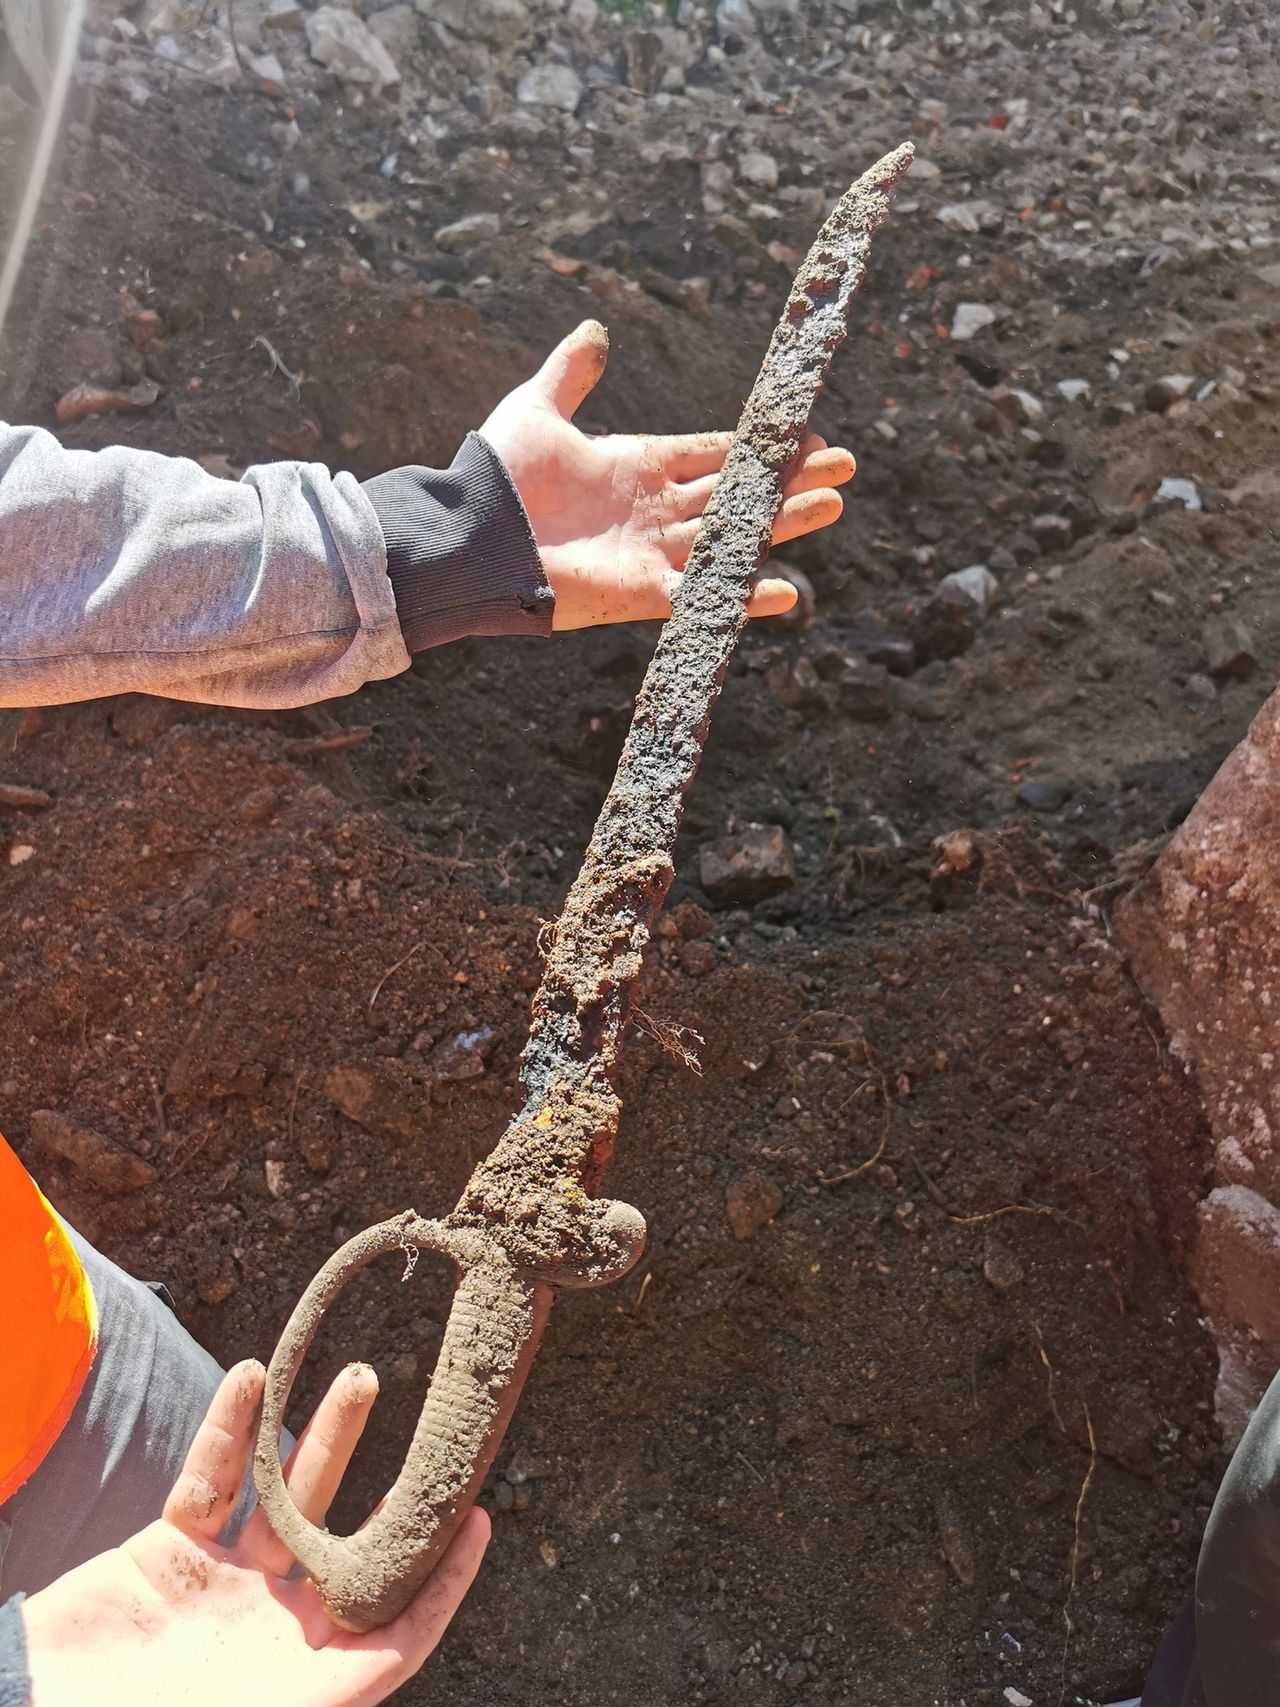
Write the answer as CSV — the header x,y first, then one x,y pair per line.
x,y
48,1324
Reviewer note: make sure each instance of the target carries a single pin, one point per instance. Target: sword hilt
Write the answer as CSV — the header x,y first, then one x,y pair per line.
x,y
499,1310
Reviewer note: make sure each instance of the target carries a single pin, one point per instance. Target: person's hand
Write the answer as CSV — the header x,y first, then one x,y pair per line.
x,y
174,1619
614,517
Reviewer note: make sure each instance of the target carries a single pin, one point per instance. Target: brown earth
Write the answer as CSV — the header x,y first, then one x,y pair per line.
x,y
909,1402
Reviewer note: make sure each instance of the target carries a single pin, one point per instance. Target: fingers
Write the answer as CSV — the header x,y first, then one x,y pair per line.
x,y
820,468
317,1463
804,513
772,597
205,1494
690,456
832,466
573,368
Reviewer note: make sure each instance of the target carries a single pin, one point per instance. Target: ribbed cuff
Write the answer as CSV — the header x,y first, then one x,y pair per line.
x,y
15,1683
461,555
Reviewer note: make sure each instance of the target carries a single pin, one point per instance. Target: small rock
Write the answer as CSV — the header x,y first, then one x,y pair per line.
x,y
1074,390
84,400
99,1161
952,615
259,806
497,23
751,1201
697,958
266,67
969,319
1228,649
20,799
862,690
691,920
379,1096
344,44
1016,1698
743,869
20,853
470,229
1162,392
1202,689
758,169
1172,490
971,217
550,85
144,326
1050,532
1045,794
878,646
795,683
463,1057
643,56
1002,1270
273,1172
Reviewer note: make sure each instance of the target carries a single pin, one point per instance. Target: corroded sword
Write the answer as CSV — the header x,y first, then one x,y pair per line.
x,y
529,1222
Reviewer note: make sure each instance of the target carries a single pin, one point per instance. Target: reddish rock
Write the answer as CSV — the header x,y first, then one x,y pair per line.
x,y
1236,1270
749,867
751,1201
84,400
98,1161
1203,933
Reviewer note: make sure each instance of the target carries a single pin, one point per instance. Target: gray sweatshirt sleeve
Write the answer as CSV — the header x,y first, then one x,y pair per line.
x,y
125,571
15,1687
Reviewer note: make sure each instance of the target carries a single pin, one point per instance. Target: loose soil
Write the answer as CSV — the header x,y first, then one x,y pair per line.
x,y
908,1401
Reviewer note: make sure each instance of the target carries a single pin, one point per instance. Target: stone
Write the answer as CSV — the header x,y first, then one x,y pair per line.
x,y
697,958
969,319
951,616
345,45
1236,1268
1045,794
1002,1270
1174,490
740,870
751,1201
758,169
1228,649
499,24
795,683
1074,390
1201,931
862,691
550,85
84,400
1162,392
380,1096
643,59
896,652
97,1161
971,217
1051,532
472,228
463,1057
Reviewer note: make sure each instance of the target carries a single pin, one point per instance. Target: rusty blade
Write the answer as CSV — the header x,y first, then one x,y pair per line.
x,y
529,1223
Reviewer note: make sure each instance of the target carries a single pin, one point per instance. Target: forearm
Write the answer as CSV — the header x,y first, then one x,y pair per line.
x,y
125,571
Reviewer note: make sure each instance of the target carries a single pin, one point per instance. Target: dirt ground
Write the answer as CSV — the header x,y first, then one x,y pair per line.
x,y
940,1426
